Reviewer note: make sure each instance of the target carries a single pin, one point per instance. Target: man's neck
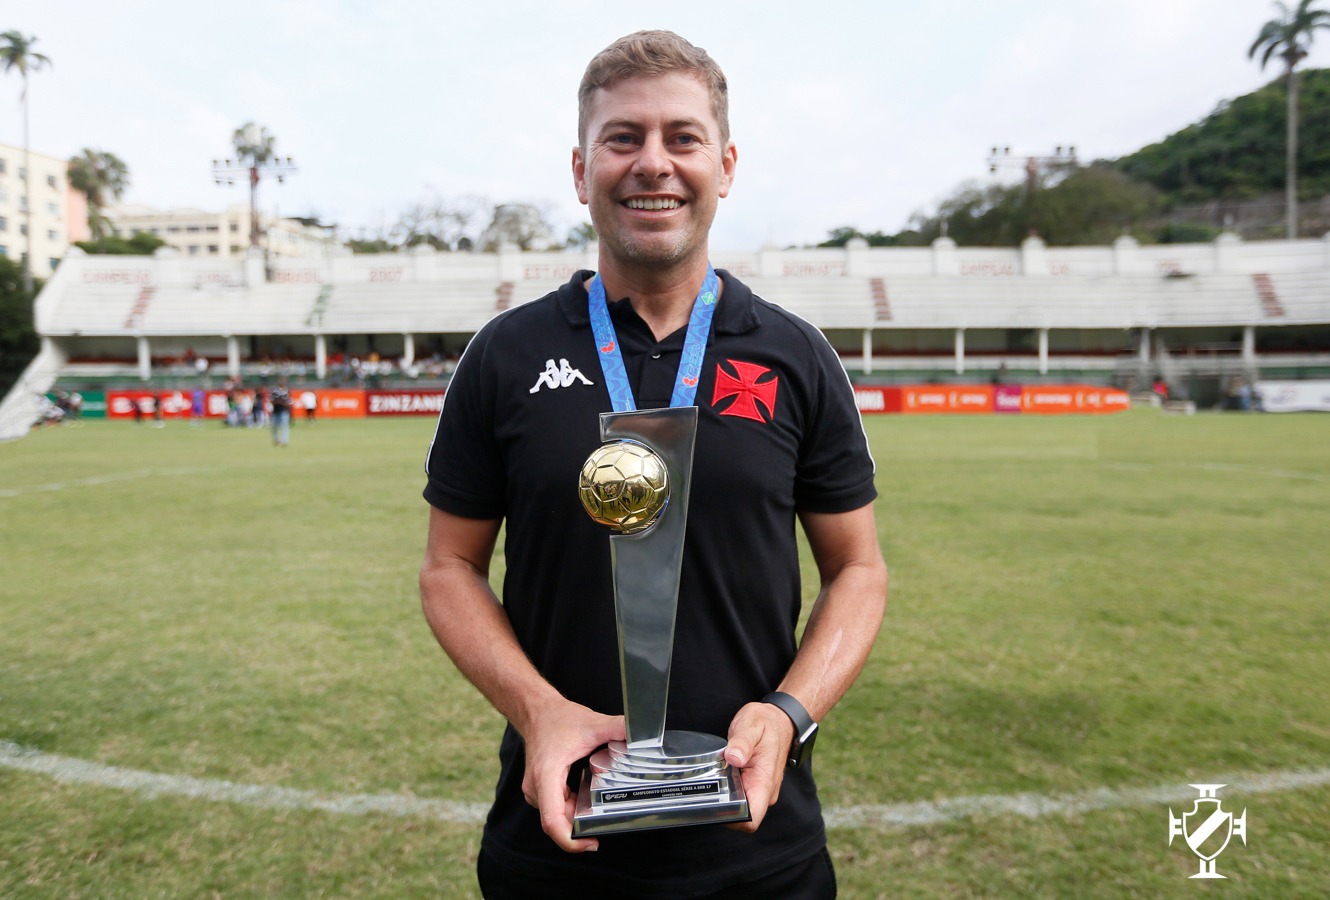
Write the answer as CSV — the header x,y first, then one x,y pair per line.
x,y
662,298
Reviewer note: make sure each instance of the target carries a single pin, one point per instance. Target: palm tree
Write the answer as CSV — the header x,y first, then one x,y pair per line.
x,y
16,52
95,174
254,147
1289,36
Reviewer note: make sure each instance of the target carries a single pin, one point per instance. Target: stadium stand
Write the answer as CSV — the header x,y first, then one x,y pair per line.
x,y
1121,314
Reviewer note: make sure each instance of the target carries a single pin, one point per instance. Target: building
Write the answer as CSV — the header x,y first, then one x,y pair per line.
x,y
56,209
223,235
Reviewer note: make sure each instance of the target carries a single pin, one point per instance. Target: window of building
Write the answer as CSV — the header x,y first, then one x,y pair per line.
x,y
3,167
52,235
51,208
4,251
22,174
234,228
212,249
235,248
23,228
212,229
194,249
192,229
4,196
4,223
50,179
54,262
154,230
172,229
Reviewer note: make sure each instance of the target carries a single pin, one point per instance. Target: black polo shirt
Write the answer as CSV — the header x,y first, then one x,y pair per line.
x,y
778,432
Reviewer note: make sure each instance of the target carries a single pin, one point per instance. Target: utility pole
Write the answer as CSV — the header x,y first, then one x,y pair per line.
x,y
254,160
1061,158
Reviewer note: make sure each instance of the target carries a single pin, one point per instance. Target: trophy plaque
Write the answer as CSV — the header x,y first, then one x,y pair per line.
x,y
637,483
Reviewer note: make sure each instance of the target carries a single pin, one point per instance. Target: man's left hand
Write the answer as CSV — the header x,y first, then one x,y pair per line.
x,y
759,745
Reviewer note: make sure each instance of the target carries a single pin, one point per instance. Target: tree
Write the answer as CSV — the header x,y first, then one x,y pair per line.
x,y
581,236
1289,36
140,244
254,148
442,224
18,338
95,174
16,52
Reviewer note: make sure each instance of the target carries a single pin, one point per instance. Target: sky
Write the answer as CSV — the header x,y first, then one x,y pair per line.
x,y
860,114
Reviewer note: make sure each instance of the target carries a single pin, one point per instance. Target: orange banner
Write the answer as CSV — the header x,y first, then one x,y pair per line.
x,y
1072,398
333,403
943,398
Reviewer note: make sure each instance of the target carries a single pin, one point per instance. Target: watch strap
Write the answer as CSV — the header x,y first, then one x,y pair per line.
x,y
804,726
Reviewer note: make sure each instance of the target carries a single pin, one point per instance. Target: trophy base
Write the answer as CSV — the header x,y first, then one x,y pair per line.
x,y
644,788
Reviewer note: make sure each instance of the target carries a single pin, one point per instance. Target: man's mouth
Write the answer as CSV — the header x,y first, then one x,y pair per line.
x,y
653,203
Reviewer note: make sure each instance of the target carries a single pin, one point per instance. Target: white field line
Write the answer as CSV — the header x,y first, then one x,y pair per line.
x,y
900,815
94,481
1228,468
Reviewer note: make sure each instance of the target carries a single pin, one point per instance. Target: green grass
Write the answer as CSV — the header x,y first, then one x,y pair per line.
x,y
1076,603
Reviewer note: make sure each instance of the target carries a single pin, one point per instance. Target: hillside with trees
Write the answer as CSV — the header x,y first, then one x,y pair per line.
x,y
1226,170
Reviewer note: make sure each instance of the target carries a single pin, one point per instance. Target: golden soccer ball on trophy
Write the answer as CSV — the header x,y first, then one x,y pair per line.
x,y
625,485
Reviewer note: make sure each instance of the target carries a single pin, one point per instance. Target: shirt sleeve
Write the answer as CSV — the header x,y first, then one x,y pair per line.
x,y
464,469
835,470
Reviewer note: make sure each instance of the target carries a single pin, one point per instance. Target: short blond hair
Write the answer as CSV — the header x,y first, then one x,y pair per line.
x,y
646,53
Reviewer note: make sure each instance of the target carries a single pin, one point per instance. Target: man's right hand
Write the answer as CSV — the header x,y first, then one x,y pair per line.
x,y
556,736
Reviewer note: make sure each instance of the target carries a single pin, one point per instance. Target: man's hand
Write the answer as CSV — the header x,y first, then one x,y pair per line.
x,y
556,737
759,745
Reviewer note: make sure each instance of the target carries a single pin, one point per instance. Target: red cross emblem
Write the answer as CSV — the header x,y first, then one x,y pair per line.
x,y
746,390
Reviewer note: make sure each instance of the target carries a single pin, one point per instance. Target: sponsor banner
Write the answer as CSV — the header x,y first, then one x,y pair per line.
x,y
1072,398
1294,396
970,399
404,402
873,400
945,398
334,403
1007,398
175,404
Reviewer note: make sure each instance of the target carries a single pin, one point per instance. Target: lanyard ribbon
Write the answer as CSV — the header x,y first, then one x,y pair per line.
x,y
694,345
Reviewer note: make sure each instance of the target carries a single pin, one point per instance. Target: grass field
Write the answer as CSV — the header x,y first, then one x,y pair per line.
x,y
1077,603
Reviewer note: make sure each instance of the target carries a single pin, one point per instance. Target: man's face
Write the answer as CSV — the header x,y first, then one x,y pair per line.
x,y
652,169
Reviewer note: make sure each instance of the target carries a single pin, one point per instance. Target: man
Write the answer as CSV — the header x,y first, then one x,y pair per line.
x,y
778,439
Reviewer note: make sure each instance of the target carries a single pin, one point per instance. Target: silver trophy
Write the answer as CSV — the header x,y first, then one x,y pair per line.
x,y
637,483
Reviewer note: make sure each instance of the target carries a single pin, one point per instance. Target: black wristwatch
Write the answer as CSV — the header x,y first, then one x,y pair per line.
x,y
805,729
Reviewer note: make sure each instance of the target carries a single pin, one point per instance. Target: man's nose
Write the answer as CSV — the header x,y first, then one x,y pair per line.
x,y
654,160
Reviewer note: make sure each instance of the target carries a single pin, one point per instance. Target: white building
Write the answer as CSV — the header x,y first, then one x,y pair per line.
x,y
224,235
56,210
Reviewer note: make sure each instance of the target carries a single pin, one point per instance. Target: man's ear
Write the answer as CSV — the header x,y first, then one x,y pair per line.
x,y
579,175
728,160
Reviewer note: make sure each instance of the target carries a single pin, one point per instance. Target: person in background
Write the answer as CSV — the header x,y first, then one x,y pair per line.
x,y
280,400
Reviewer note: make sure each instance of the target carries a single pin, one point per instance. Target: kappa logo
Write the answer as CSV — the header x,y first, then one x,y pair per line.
x,y
1207,828
747,390
560,376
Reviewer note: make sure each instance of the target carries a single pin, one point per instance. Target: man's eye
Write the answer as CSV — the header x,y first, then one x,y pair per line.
x,y
685,139
622,139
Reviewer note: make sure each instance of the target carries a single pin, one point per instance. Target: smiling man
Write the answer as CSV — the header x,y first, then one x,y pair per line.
x,y
779,440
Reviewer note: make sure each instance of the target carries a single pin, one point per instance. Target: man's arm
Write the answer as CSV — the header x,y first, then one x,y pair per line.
x,y
837,640
469,623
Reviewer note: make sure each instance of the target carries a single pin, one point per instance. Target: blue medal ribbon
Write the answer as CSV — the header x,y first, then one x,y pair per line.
x,y
694,345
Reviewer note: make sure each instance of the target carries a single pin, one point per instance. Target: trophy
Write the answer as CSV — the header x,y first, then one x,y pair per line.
x,y
637,483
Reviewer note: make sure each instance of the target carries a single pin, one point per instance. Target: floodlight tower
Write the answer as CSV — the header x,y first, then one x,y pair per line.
x,y
254,157
1062,158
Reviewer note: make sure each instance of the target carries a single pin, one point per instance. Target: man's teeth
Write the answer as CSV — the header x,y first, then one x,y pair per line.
x,y
653,203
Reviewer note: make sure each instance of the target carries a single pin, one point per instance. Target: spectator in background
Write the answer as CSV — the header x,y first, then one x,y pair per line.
x,y
311,404
280,398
